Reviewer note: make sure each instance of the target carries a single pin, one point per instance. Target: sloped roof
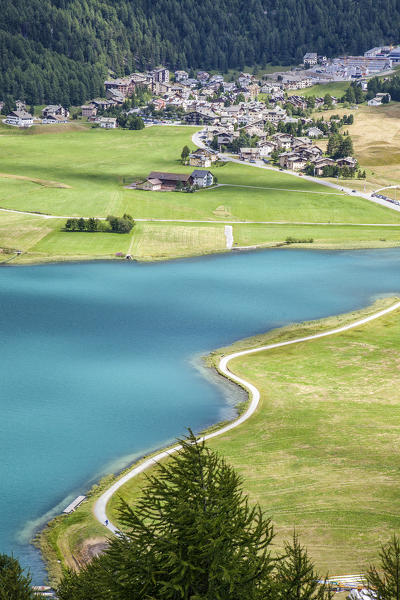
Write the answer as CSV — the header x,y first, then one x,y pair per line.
x,y
168,176
200,173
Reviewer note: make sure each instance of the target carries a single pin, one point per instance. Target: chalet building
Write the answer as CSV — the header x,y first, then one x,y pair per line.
x,y
153,184
160,75
101,103
124,85
314,132
311,153
321,163
88,110
19,118
181,76
55,110
349,161
310,58
203,76
249,153
227,137
202,178
169,181
202,158
54,120
108,122
159,104
200,117
115,96
266,148
284,140
377,101
293,161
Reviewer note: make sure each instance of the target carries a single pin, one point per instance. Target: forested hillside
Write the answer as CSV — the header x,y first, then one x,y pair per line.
x,y
61,50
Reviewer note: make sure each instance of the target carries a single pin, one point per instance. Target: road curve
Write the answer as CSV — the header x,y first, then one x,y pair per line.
x,y
100,506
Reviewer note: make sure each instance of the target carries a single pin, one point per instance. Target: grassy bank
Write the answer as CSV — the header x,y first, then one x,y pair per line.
x,y
319,452
78,171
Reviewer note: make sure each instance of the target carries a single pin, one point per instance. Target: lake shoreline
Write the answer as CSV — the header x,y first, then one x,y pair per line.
x,y
44,261
45,539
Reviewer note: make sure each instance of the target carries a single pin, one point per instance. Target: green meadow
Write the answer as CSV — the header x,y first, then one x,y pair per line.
x,y
336,88
320,453
80,171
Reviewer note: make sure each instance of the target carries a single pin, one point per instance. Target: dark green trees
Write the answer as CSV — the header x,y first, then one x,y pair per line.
x,y
192,535
14,585
61,51
113,224
185,153
386,579
296,578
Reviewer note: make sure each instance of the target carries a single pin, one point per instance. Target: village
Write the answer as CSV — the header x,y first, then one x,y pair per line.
x,y
250,118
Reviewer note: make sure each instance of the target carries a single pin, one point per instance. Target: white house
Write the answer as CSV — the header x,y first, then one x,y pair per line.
x,y
310,58
54,120
202,178
19,118
108,122
55,109
314,132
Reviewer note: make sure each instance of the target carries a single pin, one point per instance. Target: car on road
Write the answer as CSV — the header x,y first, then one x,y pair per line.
x,y
266,161
353,192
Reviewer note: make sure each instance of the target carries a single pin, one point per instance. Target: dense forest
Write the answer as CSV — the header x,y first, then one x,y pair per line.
x,y
61,50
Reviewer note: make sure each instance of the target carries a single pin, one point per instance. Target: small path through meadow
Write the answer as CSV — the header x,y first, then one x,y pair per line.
x,y
100,506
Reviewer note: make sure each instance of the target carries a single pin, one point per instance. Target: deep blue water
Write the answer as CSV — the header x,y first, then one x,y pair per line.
x,y
97,359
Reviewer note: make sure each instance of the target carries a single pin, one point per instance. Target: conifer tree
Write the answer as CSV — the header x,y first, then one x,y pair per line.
x,y
385,581
296,578
14,585
192,535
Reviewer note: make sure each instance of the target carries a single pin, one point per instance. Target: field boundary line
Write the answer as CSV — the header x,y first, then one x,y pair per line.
x,y
99,509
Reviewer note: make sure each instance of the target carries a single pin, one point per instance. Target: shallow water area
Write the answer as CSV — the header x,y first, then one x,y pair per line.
x,y
98,360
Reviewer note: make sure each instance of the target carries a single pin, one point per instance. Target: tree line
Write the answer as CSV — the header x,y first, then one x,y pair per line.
x,y
112,224
60,51
193,535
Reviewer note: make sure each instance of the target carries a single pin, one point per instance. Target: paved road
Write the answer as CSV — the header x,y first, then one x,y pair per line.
x,y
346,190
100,506
261,165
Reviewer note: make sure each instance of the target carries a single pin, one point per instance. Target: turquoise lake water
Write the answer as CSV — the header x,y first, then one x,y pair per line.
x,y
99,361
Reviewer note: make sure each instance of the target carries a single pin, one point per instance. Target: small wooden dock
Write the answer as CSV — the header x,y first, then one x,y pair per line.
x,y
74,505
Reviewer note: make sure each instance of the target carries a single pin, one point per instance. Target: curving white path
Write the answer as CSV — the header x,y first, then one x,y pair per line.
x,y
254,396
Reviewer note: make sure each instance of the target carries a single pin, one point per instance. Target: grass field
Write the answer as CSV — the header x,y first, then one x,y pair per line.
x,y
375,134
336,88
158,241
324,236
80,171
320,454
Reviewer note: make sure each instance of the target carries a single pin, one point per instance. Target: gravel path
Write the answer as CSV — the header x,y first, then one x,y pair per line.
x,y
229,236
99,509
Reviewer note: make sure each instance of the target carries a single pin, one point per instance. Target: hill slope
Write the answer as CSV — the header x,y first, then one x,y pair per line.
x,y
59,50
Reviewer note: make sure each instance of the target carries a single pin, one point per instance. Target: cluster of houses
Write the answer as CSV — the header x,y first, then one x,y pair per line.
x,y
297,152
294,153
169,182
51,114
